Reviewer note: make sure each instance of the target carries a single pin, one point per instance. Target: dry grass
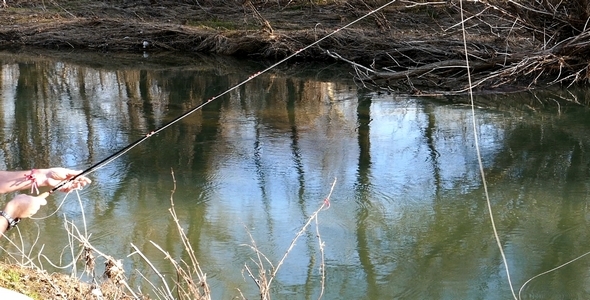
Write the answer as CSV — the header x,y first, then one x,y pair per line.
x,y
267,271
23,272
408,47
191,282
512,46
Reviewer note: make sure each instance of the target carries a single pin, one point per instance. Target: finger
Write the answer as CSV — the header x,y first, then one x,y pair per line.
x,y
35,208
66,187
87,180
72,173
33,213
62,173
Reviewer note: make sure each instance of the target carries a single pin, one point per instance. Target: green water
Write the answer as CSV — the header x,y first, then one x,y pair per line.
x,y
408,216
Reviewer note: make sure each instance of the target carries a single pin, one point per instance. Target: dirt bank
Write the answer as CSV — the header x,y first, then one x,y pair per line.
x,y
268,29
39,284
408,46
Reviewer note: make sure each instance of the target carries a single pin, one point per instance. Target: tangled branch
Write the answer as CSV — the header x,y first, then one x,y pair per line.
x,y
511,46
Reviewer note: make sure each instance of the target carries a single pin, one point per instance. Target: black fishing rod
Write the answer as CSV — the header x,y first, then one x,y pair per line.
x,y
117,154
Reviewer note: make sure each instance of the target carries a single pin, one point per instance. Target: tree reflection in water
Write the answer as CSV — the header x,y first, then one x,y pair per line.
x,y
408,218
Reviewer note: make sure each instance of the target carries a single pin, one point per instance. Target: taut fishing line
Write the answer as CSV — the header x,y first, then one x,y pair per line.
x,y
124,150
485,187
478,152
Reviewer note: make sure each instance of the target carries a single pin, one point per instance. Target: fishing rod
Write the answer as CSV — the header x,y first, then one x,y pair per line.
x,y
124,150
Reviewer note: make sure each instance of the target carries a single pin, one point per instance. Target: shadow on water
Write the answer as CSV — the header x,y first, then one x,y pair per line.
x,y
407,221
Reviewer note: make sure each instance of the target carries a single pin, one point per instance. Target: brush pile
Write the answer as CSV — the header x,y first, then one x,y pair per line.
x,y
412,47
510,45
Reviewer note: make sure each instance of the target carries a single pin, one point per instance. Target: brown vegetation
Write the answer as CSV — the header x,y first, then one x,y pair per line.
x,y
509,45
408,46
38,284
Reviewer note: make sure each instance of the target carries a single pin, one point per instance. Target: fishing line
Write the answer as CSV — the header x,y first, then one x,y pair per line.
x,y
124,150
485,184
479,160
549,271
61,203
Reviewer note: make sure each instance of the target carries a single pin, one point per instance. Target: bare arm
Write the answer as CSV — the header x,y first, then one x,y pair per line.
x,y
22,206
11,181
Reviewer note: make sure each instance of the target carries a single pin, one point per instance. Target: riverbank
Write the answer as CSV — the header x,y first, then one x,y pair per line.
x,y
40,285
405,47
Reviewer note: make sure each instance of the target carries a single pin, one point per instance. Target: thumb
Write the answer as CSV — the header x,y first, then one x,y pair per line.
x,y
42,201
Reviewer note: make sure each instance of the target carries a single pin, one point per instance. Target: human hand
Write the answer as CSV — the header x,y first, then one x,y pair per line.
x,y
54,176
24,206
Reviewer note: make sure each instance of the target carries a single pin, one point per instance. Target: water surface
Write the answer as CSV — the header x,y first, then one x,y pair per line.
x,y
408,216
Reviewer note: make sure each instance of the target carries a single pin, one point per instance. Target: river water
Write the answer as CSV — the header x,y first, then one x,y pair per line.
x,y
407,219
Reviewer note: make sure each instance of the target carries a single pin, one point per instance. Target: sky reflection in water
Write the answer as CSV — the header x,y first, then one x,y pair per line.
x,y
408,218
